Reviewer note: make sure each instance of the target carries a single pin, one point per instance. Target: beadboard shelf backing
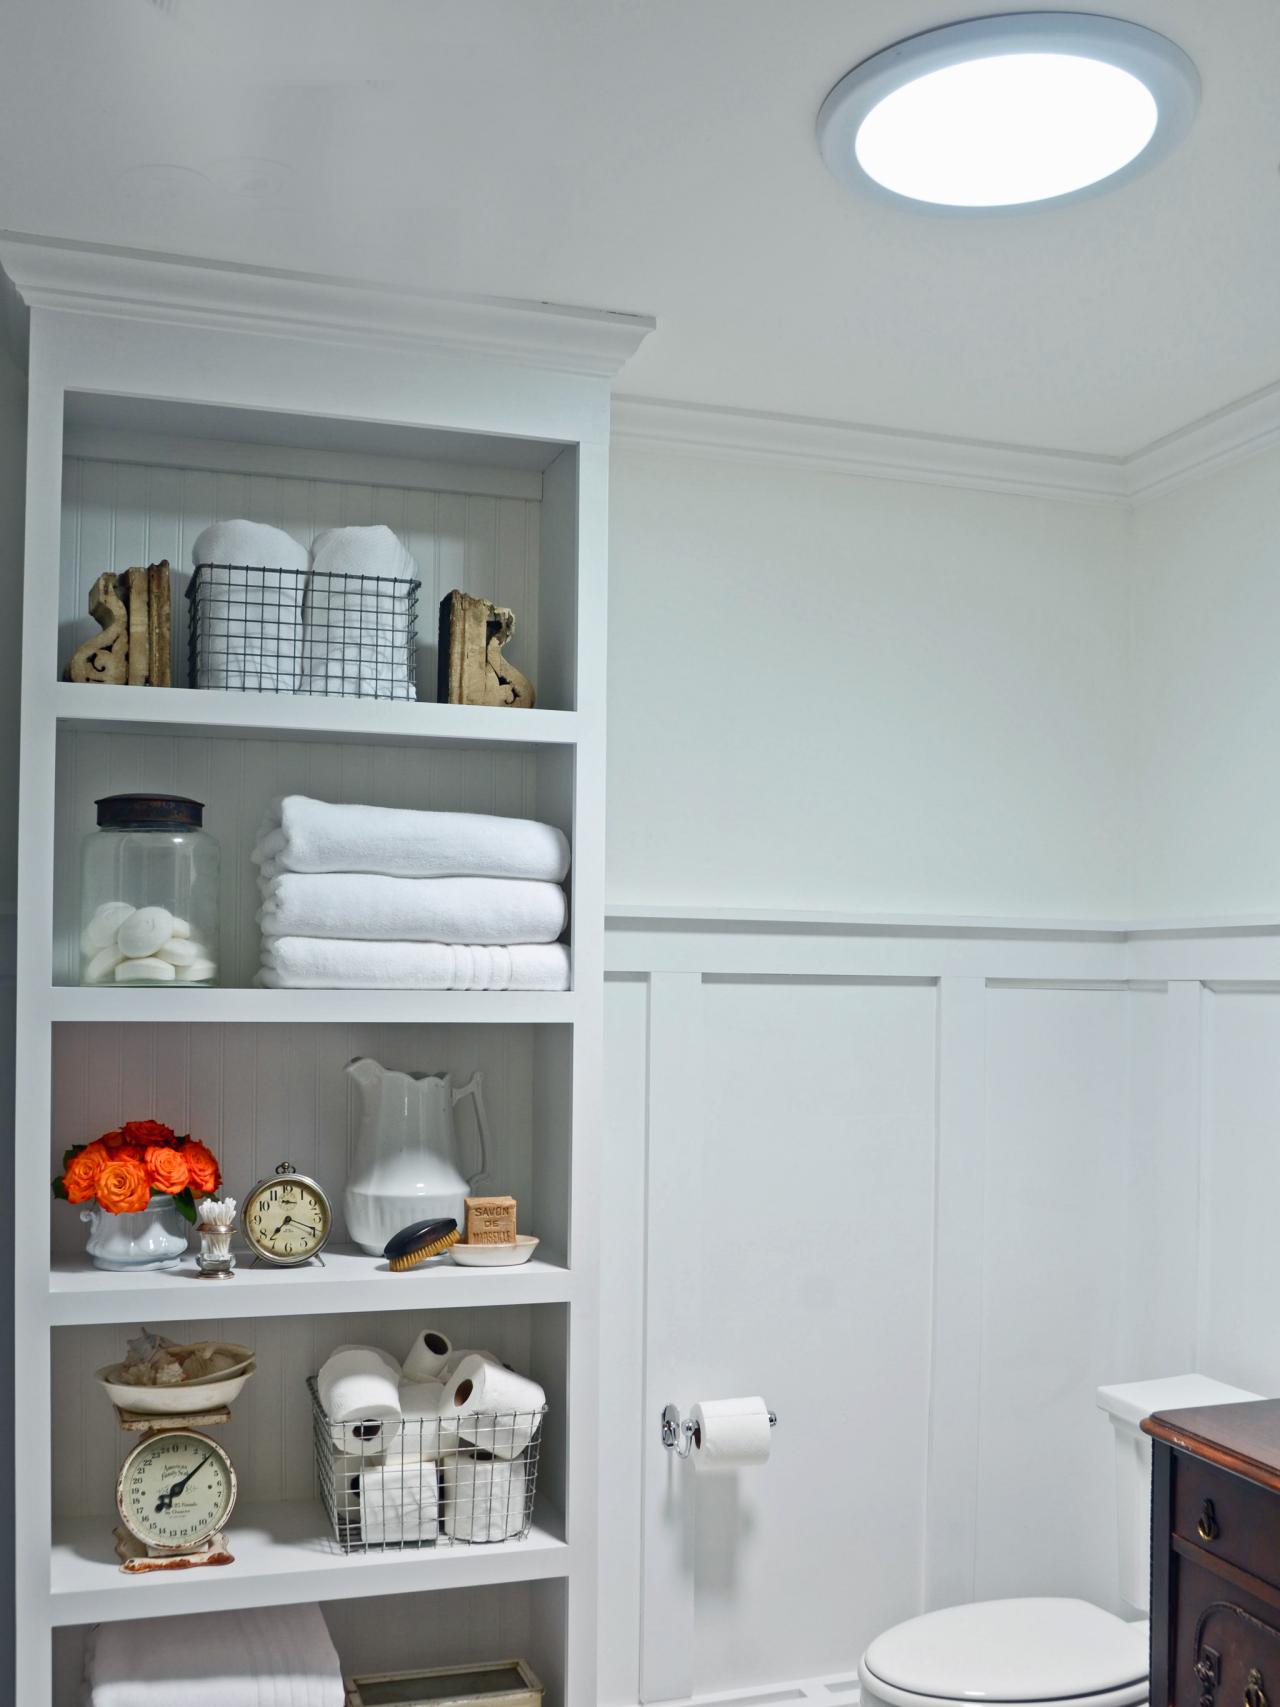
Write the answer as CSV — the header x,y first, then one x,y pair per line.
x,y
237,781
456,1626
261,1095
124,501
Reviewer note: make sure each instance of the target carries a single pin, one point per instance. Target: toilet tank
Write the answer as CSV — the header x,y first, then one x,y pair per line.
x,y
1127,1404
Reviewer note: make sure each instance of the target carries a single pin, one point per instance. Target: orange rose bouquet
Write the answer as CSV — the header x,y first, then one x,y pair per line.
x,y
123,1170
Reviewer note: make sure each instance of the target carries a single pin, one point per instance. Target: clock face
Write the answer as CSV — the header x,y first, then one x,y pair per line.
x,y
176,1490
286,1219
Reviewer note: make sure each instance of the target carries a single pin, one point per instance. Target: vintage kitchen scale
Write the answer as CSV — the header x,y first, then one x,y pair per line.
x,y
175,1493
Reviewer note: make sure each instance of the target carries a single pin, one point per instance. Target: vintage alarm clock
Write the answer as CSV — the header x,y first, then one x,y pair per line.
x,y
286,1220
176,1491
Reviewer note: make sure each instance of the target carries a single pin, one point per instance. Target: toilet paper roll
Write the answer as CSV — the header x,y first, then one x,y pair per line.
x,y
398,1503
386,1357
429,1356
730,1434
359,1390
496,1409
483,1499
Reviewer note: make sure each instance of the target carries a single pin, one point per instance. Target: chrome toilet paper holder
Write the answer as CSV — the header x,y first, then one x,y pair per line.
x,y
678,1432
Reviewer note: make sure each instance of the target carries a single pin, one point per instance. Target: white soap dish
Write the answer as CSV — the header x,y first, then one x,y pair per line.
x,y
495,1256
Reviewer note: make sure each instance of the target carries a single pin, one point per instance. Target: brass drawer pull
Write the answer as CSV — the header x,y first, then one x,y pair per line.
x,y
1209,1531
1254,1694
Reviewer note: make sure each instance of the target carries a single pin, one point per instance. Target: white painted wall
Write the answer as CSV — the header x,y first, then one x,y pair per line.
x,y
1206,695
836,693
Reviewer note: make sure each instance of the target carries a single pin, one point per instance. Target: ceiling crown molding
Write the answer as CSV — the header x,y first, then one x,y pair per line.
x,y
1204,447
91,278
876,453
1229,435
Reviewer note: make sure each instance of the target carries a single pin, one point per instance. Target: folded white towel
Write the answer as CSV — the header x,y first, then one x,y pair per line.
x,y
302,834
399,1502
489,910
330,963
357,636
249,618
277,1656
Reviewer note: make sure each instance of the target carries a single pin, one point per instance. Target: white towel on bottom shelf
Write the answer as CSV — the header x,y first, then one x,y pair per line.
x,y
302,834
400,1501
356,620
278,1656
249,607
483,1498
484,910
330,963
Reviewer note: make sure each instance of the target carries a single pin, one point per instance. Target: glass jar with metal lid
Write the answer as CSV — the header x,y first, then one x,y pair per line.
x,y
149,894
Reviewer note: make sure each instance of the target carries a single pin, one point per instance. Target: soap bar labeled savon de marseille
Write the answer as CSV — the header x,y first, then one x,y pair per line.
x,y
491,1220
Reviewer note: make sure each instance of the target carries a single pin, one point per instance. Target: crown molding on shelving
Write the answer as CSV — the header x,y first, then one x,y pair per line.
x,y
1228,435
53,273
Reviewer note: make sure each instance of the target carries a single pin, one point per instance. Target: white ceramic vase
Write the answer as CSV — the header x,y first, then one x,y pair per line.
x,y
154,1237
406,1165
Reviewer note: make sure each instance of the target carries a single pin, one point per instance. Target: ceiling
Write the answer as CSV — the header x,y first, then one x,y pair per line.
x,y
658,156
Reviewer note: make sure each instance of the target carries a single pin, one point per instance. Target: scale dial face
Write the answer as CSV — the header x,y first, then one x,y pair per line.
x,y
286,1220
176,1490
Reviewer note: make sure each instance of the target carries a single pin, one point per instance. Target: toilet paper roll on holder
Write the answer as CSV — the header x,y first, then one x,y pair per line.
x,y
679,1433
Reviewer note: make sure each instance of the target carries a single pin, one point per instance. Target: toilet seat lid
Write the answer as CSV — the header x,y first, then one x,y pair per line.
x,y
1011,1650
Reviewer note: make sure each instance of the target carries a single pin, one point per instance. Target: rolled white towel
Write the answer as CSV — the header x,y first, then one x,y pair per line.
x,y
485,910
357,633
301,834
483,1499
249,607
330,963
399,1502
215,1659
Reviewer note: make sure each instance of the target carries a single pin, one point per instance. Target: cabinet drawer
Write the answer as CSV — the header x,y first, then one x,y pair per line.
x,y
1230,1518
1226,1645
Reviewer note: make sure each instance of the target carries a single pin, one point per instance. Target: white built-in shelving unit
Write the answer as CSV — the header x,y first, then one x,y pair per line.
x,y
162,394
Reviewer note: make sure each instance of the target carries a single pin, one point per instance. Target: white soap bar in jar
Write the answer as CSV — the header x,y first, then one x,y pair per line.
x,y
145,971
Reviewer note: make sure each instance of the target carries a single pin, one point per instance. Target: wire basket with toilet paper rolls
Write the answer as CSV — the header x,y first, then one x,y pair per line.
x,y
440,1468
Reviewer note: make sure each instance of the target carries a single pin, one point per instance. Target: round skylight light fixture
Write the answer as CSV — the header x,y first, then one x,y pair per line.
x,y
995,114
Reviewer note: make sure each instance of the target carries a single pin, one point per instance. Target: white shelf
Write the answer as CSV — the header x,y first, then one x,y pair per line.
x,y
283,1554
71,1004
348,1282
306,717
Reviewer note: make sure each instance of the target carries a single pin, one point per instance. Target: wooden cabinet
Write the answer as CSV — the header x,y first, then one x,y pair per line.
x,y
1215,1556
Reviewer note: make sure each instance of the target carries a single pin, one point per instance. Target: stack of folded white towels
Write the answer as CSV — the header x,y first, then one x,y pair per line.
x,y
256,1658
273,617
384,898
441,1444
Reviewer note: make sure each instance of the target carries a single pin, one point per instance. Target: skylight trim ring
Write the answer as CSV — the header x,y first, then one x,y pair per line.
x,y
1153,59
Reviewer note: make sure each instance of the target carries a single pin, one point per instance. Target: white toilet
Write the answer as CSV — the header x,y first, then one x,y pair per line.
x,y
1028,1650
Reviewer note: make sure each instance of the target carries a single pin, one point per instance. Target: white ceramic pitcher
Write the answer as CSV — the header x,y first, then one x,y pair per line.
x,y
406,1164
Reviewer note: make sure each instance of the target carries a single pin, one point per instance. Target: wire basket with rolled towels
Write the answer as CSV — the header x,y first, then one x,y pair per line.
x,y
302,631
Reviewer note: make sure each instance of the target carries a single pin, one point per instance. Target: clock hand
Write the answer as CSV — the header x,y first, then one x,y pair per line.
x,y
289,1221
166,1500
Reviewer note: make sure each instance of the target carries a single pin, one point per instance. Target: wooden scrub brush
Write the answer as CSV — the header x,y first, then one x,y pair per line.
x,y
419,1243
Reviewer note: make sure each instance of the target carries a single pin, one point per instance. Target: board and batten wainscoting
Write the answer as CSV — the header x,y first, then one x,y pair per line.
x,y
925,1184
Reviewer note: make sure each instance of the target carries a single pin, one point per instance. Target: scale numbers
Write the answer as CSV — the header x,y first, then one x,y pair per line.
x,y
176,1490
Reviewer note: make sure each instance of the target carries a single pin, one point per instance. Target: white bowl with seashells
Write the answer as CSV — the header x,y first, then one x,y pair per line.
x,y
158,1378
